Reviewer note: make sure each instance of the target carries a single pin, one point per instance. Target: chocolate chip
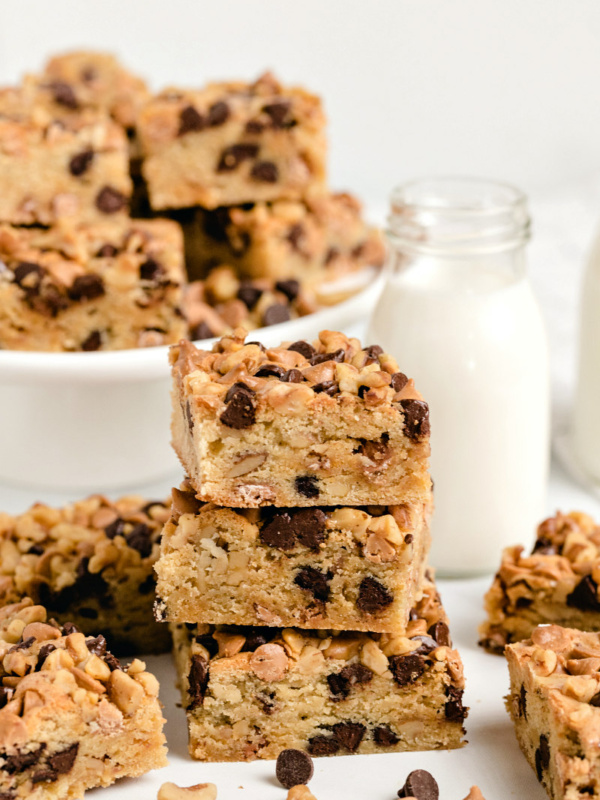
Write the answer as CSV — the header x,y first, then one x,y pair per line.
x,y
112,662
385,736
36,550
232,156
522,700
240,412
523,602
270,370
585,595
340,683
416,418
330,388
323,746
421,785
290,289
406,669
87,287
373,596
256,637
307,486
454,709
249,294
309,526
279,113
116,528
399,381
81,162
43,654
265,172
201,331
304,348
427,645
140,539
207,641
441,633
68,628
292,376
88,74
96,645
331,254
151,270
218,114
62,762
314,581
92,342
372,354
109,200
349,734
293,767
266,701
190,120
321,358
544,547
29,275
542,757
255,126
375,451
295,236
107,251
19,761
22,645
275,314
198,681
338,687
64,95
279,532
595,701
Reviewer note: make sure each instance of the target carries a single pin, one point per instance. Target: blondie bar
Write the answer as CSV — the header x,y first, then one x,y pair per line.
x,y
324,236
557,583
71,718
232,143
343,568
554,703
302,424
104,286
58,162
90,563
252,692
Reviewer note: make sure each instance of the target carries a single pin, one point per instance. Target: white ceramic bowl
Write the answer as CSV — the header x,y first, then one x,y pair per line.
x,y
99,421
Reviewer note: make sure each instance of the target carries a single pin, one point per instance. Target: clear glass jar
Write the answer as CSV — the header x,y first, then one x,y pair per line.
x,y
459,316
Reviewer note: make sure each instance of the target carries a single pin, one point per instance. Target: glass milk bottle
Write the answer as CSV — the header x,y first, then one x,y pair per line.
x,y
586,422
459,315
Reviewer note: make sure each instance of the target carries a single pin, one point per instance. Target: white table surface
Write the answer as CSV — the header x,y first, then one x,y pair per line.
x,y
491,759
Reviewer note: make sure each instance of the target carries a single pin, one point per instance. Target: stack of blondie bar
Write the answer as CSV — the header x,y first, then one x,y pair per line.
x,y
293,567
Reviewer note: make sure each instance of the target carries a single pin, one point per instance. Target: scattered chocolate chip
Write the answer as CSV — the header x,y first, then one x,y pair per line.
x,y
338,687
330,388
315,582
323,746
96,645
292,376
68,628
151,270
416,418
64,95
585,595
372,354
62,762
240,412
542,757
81,162
198,681
309,526
293,767
454,709
218,114
279,532
304,348
427,645
349,734
92,342
87,287
275,314
373,596
22,645
279,112
406,669
190,120
295,236
29,276
307,486
232,156
109,200
399,381
201,331
107,251
19,762
440,632
265,172
421,785
544,547
116,528
385,736
140,539
290,289
321,358
249,294
340,683
270,370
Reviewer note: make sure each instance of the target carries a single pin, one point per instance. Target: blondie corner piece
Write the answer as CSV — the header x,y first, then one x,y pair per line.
x,y
232,143
302,424
343,568
104,286
253,692
71,718
554,703
556,583
89,563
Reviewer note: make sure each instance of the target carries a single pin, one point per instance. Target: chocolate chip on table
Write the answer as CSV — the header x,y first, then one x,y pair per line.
x,y
81,162
290,289
87,287
454,709
330,388
249,294
441,633
218,114
406,669
279,532
140,539
292,376
384,736
109,200
304,348
190,120
349,734
585,595
323,746
240,412
416,418
151,270
92,342
314,581
232,156
270,370
421,785
201,331
64,95
399,381
321,358
265,172
275,314
307,486
542,757
373,596
198,681
293,767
